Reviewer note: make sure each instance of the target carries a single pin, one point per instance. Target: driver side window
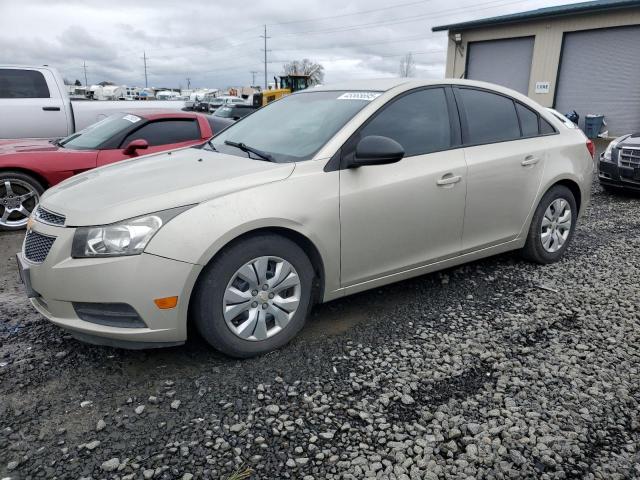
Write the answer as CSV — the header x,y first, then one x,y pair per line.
x,y
419,121
164,132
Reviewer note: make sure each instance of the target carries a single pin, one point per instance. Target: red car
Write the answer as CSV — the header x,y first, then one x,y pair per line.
x,y
29,167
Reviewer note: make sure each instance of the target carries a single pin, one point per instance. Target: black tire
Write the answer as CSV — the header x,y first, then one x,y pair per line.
x,y
23,178
206,306
533,249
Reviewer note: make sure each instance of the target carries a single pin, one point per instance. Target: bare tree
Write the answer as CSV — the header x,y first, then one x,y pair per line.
x,y
305,67
407,65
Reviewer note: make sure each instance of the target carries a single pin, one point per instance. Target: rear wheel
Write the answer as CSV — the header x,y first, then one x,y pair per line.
x,y
19,194
552,227
254,297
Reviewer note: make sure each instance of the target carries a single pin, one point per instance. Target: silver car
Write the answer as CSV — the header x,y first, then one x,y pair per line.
x,y
322,194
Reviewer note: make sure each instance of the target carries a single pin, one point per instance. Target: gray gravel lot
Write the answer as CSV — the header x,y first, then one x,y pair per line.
x,y
497,369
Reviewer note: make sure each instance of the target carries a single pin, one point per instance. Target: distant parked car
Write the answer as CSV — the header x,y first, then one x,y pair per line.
x,y
29,167
212,104
619,165
234,111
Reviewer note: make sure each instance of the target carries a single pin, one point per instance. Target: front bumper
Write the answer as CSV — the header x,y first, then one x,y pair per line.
x,y
610,173
55,284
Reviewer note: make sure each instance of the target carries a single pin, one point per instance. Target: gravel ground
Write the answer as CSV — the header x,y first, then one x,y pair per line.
x,y
497,369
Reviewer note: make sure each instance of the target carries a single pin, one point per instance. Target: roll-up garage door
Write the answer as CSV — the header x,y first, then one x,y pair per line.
x,y
505,62
600,73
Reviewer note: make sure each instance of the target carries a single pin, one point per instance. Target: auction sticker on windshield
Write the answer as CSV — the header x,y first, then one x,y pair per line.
x,y
367,96
131,118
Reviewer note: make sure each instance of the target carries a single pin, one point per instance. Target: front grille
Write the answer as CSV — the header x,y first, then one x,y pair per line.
x,y
37,246
45,216
630,157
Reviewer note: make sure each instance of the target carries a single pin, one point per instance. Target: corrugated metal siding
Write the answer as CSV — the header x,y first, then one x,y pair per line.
x,y
600,73
505,62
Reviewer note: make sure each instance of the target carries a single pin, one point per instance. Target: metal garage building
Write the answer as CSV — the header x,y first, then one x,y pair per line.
x,y
584,57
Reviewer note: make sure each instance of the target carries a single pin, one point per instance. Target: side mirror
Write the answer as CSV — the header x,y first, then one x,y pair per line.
x,y
376,150
133,145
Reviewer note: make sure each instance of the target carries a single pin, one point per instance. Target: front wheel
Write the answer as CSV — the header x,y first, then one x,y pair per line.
x,y
254,297
19,194
552,227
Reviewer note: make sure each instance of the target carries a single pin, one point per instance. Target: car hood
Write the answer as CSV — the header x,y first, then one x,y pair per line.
x,y
156,182
26,145
631,141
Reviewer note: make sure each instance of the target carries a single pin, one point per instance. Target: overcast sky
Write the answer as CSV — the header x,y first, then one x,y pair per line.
x,y
217,43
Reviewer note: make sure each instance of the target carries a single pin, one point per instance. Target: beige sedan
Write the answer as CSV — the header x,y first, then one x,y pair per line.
x,y
325,193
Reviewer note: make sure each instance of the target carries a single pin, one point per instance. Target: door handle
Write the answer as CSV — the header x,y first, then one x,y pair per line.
x,y
51,109
449,179
529,160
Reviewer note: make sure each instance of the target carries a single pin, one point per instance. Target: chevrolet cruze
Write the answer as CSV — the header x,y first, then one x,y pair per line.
x,y
322,194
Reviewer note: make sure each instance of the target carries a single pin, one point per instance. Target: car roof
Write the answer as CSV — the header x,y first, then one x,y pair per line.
x,y
158,113
385,84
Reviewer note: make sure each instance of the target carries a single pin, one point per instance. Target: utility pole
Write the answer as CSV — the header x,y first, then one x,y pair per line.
x,y
84,66
188,83
144,57
265,55
253,77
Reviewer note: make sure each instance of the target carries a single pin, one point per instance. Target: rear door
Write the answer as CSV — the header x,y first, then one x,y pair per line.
x,y
505,155
29,107
160,134
406,214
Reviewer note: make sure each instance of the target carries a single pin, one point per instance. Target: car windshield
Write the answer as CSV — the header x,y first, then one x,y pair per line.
x,y
294,128
95,135
224,112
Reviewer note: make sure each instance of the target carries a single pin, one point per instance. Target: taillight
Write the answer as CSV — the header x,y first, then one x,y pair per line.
x,y
591,147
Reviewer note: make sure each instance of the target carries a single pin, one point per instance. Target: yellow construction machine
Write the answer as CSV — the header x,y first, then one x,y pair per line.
x,y
285,86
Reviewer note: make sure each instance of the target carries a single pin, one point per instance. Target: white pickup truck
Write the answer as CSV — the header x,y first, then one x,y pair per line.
x,y
34,104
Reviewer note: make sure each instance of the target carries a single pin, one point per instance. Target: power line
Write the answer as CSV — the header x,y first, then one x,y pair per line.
x,y
412,18
240,32
360,12
405,39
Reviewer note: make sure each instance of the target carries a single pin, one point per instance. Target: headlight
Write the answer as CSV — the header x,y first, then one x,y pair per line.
x,y
129,237
613,144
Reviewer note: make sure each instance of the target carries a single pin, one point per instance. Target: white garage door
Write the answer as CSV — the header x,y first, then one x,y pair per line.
x,y
505,62
600,73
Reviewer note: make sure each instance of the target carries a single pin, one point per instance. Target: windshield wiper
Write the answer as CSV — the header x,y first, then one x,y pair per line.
x,y
248,149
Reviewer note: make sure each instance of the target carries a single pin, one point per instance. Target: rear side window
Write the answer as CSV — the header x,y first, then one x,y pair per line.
x,y
545,127
163,132
490,117
22,84
528,121
418,121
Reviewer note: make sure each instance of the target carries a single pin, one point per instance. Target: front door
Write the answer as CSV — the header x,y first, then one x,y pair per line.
x,y
407,214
